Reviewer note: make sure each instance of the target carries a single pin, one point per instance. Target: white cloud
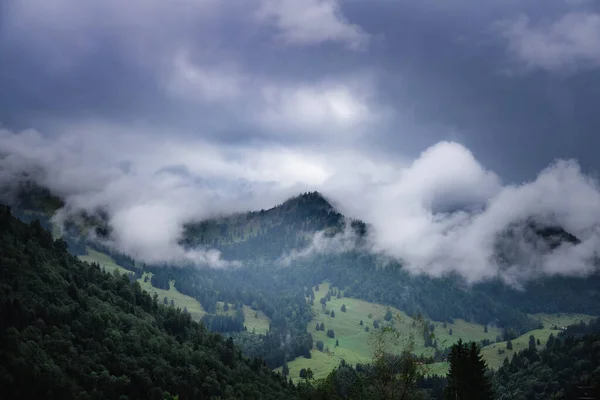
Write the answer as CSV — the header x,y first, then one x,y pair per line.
x,y
408,225
211,84
311,22
570,42
442,212
319,109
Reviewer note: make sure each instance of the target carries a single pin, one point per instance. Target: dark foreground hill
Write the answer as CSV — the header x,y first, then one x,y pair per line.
x,y
68,330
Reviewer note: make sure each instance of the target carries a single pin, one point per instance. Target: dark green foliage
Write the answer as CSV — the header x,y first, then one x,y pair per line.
x,y
509,345
223,323
226,307
550,341
485,328
361,322
467,378
566,369
375,324
285,370
332,314
450,331
343,308
330,333
160,280
337,342
388,315
69,330
303,373
532,345
319,345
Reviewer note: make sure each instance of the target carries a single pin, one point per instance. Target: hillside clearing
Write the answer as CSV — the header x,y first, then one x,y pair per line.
x,y
104,260
494,359
354,342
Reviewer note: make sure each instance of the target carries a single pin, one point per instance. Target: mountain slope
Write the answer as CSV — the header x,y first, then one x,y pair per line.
x,y
69,330
268,234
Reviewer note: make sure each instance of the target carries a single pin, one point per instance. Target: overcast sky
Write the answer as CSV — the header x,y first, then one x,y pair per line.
x,y
164,111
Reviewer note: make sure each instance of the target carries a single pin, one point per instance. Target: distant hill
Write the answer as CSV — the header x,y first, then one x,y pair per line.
x,y
267,234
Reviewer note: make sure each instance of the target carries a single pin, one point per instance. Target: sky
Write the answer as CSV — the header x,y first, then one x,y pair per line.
x,y
413,116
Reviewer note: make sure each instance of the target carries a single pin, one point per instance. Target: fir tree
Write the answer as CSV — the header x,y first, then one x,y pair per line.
x,y
467,378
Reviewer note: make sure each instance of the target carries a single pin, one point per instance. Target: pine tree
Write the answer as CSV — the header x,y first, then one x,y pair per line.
x,y
467,378
509,345
550,341
285,370
532,345
388,315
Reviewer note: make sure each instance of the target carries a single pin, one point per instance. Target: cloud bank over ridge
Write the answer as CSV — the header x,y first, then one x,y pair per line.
x,y
439,213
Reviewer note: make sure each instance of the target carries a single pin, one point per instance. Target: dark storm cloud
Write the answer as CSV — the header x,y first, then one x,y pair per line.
x,y
162,112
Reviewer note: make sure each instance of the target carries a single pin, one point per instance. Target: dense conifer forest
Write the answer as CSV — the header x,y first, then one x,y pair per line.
x,y
69,330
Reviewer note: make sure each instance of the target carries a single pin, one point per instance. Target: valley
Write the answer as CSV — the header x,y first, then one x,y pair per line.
x,y
352,341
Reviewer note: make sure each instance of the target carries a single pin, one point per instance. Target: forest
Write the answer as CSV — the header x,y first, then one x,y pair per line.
x,y
69,330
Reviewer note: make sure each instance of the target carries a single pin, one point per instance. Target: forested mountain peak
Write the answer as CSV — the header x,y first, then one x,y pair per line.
x,y
268,234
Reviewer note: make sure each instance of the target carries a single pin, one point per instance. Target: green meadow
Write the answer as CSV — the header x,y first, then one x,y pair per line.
x,y
355,343
255,321
495,359
181,300
104,260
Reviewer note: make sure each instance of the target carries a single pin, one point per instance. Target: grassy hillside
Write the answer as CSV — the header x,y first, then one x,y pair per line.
x,y
494,359
181,300
104,260
193,306
355,343
255,321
